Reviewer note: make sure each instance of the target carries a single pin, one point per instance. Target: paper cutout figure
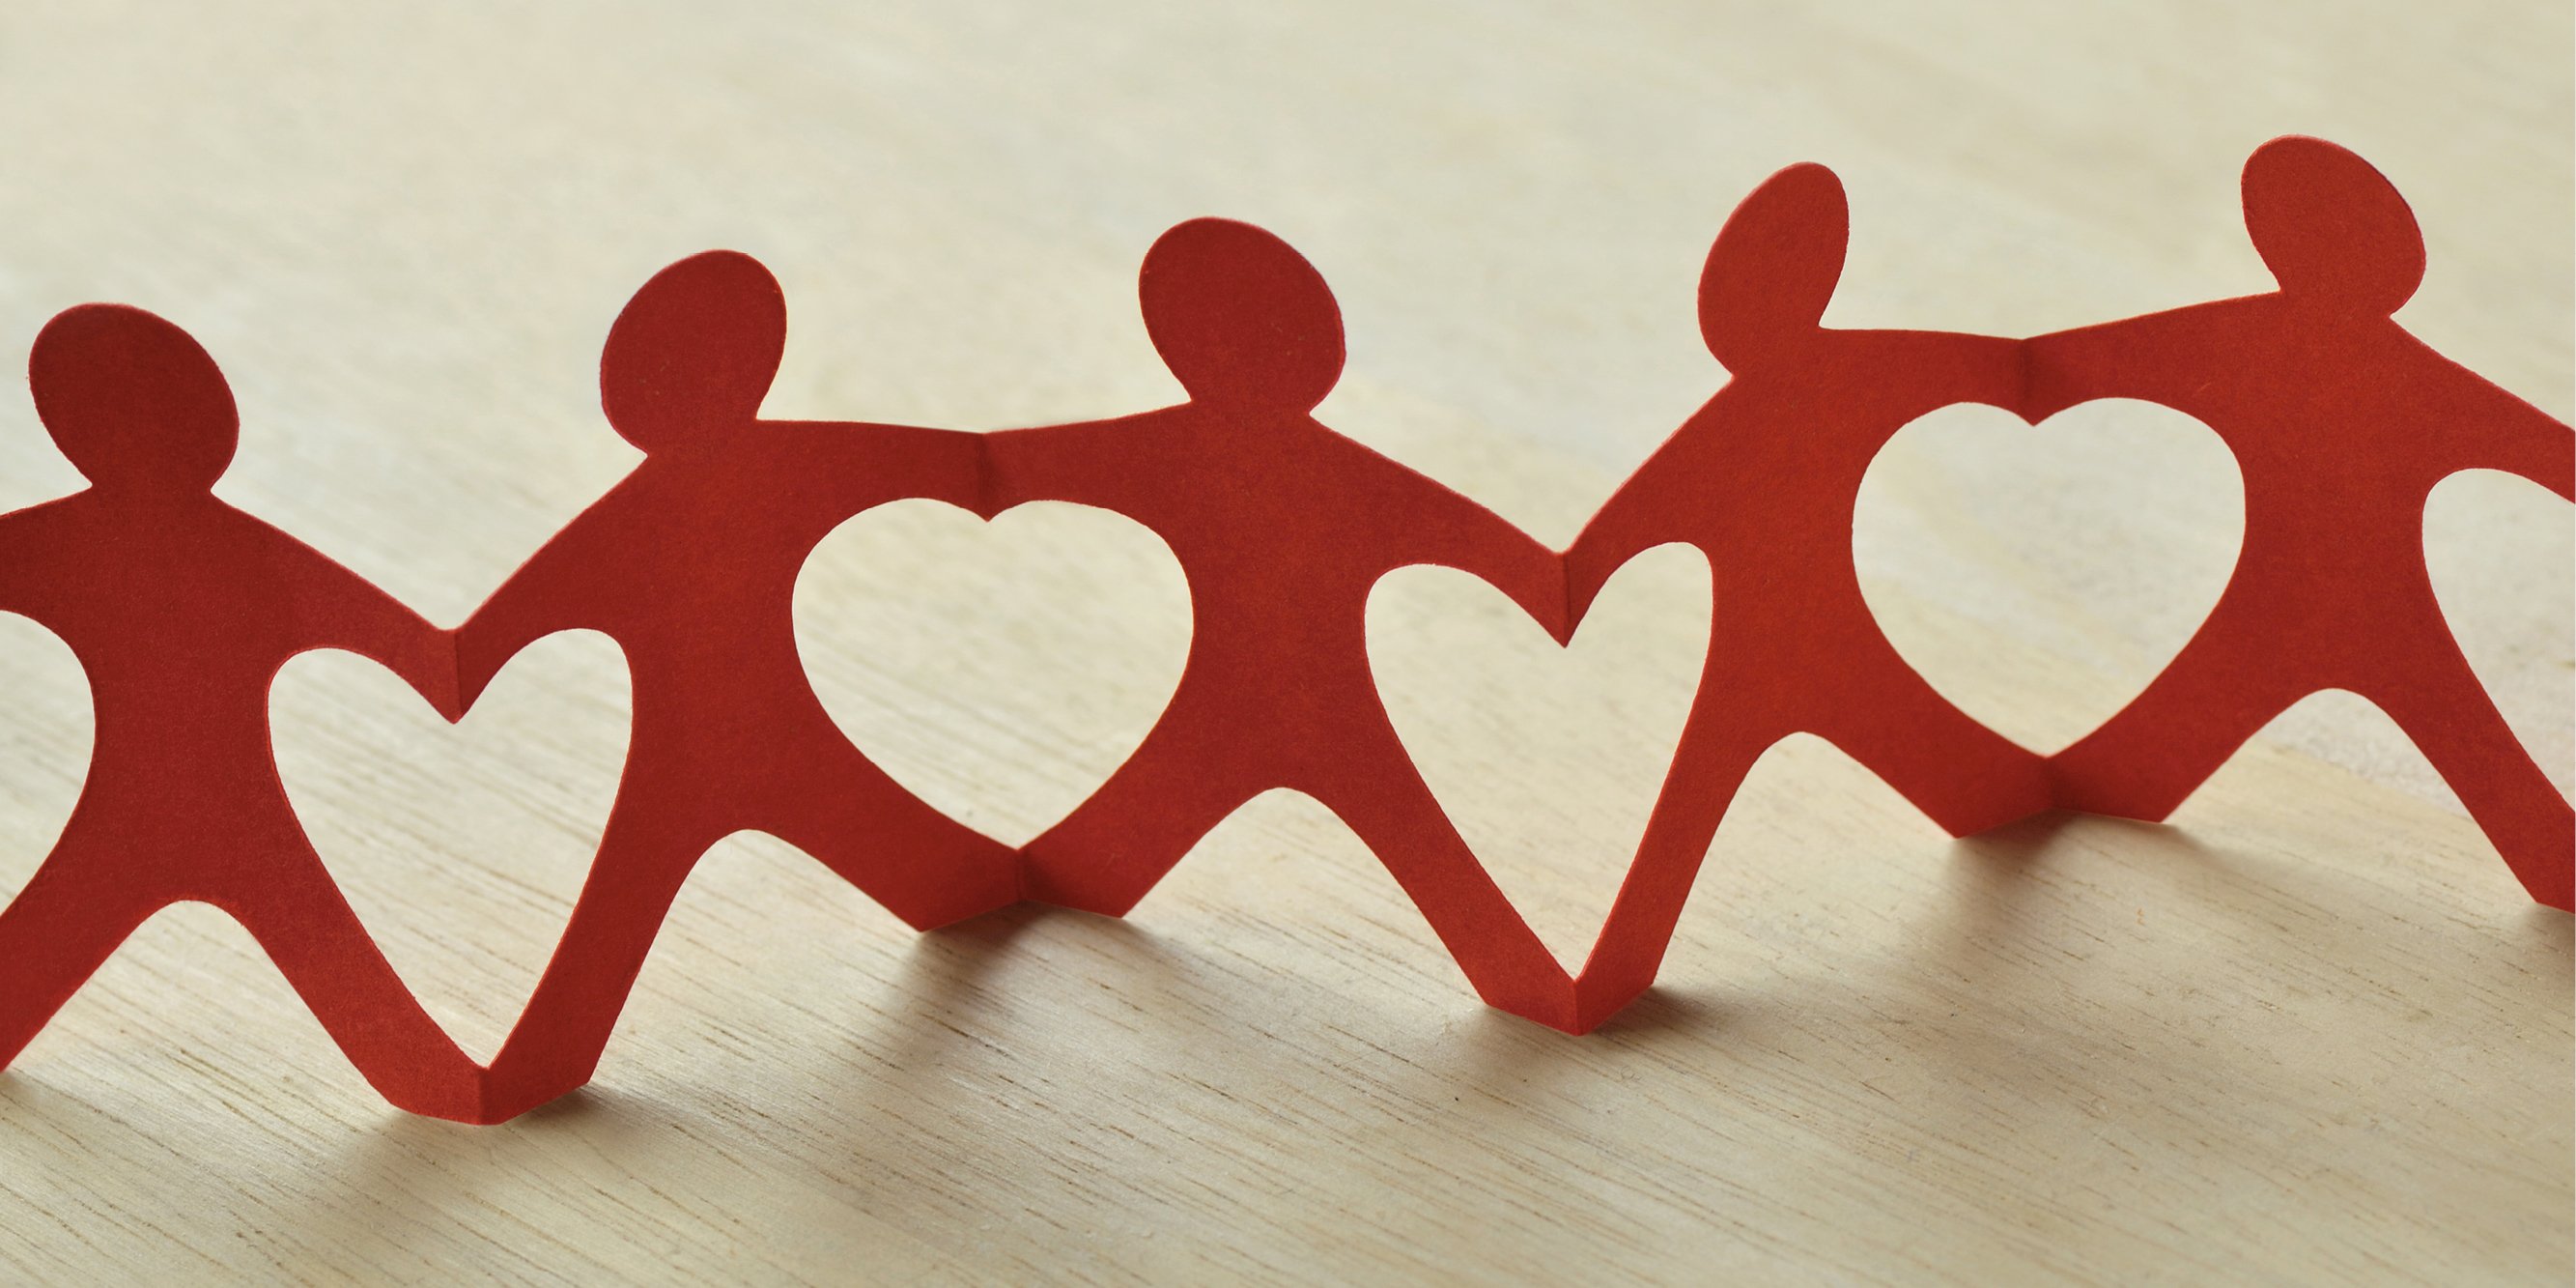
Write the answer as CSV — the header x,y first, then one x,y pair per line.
x,y
2341,422
1281,527
1764,481
690,564
181,610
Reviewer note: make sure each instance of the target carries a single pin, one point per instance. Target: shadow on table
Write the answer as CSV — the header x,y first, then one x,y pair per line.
x,y
1989,1028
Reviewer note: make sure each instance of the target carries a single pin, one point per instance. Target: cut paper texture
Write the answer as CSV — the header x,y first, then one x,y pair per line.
x,y
1281,527
2342,423
181,609
689,564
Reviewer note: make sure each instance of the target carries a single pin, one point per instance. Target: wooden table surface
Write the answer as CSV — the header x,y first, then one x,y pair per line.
x,y
2311,1032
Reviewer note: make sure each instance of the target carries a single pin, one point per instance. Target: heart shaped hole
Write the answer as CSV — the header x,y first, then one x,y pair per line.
x,y
2502,552
46,728
461,847
2503,563
1000,671
1548,760
2040,576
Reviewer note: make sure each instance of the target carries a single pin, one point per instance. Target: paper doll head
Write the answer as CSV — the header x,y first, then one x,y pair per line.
x,y
1774,266
2330,226
1240,317
694,352
132,401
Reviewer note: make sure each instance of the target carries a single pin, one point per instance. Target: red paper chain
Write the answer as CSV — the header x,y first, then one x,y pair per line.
x,y
182,609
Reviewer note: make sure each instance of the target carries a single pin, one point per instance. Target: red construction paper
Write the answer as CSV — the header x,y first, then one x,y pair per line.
x,y
690,565
1763,480
2341,423
1281,526
182,609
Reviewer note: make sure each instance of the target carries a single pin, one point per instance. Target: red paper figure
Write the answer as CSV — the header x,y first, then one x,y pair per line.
x,y
1763,481
1281,526
2341,423
181,609
690,564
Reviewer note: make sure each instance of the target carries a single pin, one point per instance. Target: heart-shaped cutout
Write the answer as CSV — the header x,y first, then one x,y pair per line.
x,y
2040,576
461,847
2502,551
1000,671
1548,760
2503,566
46,728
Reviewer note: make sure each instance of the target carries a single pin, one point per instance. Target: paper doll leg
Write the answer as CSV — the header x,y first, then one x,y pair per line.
x,y
924,866
1118,844
1708,768
1378,793
645,856
72,915
2224,686
2448,714
306,926
1961,774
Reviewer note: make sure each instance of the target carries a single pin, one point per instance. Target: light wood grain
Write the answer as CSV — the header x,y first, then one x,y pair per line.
x,y
2311,1033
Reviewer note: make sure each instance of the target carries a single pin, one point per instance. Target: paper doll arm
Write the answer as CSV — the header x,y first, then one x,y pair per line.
x,y
20,588
2512,435
357,615
547,594
1088,464
869,464
1644,513
2144,357
1448,528
14,597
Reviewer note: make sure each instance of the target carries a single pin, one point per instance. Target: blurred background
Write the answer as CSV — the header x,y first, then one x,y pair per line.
x,y
404,229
